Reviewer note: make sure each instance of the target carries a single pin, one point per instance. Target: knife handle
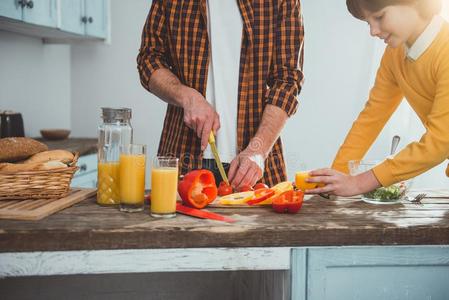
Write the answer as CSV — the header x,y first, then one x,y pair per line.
x,y
211,138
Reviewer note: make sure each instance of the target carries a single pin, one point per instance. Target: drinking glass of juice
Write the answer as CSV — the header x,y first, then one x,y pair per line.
x,y
164,187
132,177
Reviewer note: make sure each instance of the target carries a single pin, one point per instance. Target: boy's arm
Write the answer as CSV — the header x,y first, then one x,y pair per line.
x,y
433,147
384,98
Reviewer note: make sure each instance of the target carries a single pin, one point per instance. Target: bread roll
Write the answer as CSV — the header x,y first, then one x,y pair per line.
x,y
52,164
19,148
37,166
59,155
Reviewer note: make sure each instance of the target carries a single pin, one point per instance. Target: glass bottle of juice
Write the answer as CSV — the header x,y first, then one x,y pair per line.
x,y
115,130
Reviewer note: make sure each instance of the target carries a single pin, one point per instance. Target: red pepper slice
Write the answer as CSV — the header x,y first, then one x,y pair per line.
x,y
197,189
260,195
224,189
288,202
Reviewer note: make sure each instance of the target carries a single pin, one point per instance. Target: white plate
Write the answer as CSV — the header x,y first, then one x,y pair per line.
x,y
378,201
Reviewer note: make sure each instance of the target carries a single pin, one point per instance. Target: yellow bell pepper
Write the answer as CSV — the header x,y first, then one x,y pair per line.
x,y
236,198
278,189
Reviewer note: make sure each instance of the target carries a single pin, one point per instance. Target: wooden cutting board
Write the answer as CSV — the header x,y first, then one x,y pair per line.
x,y
39,209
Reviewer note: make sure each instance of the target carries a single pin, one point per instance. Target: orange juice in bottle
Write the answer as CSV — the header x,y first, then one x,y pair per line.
x,y
114,131
108,192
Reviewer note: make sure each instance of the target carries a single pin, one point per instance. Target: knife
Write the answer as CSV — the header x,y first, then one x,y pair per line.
x,y
213,147
194,212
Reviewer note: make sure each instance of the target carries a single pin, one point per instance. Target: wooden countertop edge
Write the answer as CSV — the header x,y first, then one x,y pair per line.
x,y
104,240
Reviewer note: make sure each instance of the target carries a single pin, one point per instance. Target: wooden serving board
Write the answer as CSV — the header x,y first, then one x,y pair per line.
x,y
216,203
39,209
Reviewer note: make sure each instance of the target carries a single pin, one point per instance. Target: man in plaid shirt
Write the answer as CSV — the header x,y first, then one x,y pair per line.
x,y
241,59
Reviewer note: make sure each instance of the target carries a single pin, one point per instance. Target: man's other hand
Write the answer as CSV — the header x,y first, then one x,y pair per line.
x,y
244,170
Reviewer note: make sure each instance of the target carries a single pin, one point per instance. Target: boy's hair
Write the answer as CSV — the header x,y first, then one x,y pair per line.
x,y
426,8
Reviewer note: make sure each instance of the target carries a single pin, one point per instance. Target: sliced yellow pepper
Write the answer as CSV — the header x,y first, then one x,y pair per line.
x,y
236,198
278,189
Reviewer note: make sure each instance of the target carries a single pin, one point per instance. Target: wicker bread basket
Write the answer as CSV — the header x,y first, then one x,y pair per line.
x,y
43,184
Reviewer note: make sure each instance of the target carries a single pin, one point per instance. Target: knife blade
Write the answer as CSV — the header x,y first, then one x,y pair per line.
x,y
213,147
194,212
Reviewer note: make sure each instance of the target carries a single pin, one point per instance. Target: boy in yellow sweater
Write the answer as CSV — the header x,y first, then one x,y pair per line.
x,y
415,65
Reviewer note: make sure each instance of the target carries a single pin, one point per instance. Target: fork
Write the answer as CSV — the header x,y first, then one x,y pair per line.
x,y
418,198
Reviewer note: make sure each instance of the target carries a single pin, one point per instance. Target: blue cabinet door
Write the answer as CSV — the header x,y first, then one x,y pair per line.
x,y
97,18
10,9
371,273
72,13
40,12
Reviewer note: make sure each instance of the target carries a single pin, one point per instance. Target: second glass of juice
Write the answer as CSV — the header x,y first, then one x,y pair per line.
x,y
132,177
164,187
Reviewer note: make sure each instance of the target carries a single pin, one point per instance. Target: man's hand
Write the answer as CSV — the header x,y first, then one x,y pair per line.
x,y
243,170
199,115
340,184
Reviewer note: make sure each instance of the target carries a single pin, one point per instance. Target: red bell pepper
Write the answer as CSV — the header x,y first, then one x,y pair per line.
x,y
288,202
260,195
197,189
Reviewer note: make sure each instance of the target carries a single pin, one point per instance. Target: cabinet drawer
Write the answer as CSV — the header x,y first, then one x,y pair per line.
x,y
370,273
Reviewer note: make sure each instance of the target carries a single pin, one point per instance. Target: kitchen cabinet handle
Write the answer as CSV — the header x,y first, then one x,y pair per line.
x,y
84,19
22,3
83,167
30,4
90,20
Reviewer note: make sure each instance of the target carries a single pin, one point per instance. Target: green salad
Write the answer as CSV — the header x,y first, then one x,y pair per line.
x,y
391,193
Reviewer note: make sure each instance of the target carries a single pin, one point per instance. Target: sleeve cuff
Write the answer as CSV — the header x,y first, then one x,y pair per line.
x,y
283,97
341,167
147,68
383,174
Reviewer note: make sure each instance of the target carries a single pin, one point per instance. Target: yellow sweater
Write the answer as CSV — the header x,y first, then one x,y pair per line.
x,y
425,85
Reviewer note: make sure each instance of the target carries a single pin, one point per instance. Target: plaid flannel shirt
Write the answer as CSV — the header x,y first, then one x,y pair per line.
x,y
175,37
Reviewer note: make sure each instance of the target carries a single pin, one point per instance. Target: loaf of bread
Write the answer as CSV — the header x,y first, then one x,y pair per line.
x,y
59,155
19,148
37,166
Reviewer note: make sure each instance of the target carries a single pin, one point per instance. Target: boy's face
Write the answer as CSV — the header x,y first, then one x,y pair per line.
x,y
395,25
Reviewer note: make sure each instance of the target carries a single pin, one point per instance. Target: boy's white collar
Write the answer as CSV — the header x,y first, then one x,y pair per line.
x,y
425,39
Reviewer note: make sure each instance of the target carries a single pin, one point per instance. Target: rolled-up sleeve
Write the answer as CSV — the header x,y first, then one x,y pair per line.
x,y
152,54
286,75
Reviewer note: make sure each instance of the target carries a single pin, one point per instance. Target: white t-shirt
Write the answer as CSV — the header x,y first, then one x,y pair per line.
x,y
225,27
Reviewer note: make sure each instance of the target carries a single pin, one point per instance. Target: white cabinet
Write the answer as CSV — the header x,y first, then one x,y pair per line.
x,y
84,17
11,9
37,12
86,176
56,19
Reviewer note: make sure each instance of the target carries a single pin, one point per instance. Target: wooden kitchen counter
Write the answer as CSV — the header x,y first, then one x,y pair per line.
x,y
84,146
321,222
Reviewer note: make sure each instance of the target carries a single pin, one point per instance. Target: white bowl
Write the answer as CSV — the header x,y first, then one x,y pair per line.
x,y
403,187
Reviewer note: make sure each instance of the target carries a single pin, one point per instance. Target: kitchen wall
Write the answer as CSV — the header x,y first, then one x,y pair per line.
x,y
35,80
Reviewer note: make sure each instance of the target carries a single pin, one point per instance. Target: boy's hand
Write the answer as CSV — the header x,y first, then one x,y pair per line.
x,y
341,184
